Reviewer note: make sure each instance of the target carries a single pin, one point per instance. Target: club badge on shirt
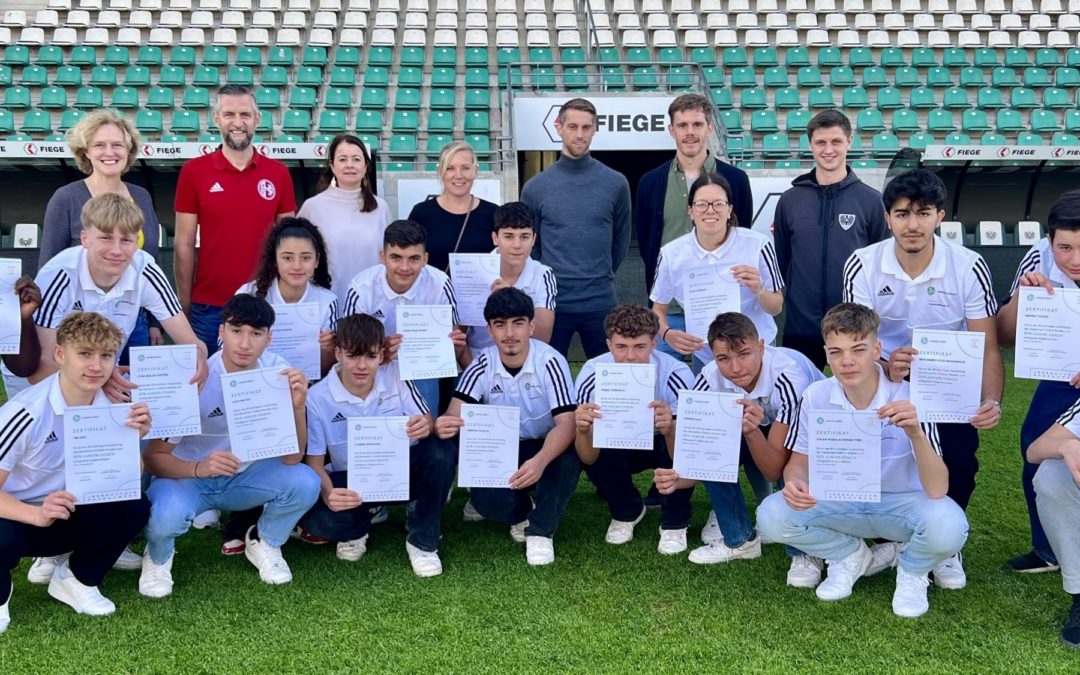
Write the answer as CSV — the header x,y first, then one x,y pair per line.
x,y
266,189
846,220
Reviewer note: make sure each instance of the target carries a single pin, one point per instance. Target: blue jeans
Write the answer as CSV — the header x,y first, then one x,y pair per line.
x,y
429,390
431,475
286,490
729,504
588,325
140,336
553,492
1051,399
205,321
934,529
613,471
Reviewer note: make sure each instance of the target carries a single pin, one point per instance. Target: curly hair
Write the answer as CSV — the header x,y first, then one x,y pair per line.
x,y
91,330
631,321
80,136
299,228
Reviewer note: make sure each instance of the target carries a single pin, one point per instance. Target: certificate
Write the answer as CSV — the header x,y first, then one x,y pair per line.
x,y
164,378
707,292
102,462
426,351
1047,327
488,451
708,436
379,458
624,392
472,275
258,407
10,318
845,455
946,376
296,337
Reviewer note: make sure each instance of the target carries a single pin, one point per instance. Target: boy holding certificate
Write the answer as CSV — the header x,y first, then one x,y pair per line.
x,y
38,516
360,386
631,338
194,474
1054,262
521,372
24,362
911,475
917,280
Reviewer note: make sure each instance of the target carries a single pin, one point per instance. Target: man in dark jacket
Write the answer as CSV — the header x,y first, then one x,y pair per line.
x,y
820,220
662,213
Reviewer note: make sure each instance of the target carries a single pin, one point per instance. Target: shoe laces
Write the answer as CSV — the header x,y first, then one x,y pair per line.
x,y
802,563
272,556
951,564
911,585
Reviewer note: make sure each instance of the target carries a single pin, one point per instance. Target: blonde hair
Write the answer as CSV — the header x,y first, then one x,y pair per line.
x,y
90,330
80,136
110,211
448,153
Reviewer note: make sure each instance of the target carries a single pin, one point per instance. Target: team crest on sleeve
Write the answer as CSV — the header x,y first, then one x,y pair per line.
x,y
846,220
267,190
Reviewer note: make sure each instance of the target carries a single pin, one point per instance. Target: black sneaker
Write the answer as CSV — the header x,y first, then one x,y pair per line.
x,y
1031,563
1070,634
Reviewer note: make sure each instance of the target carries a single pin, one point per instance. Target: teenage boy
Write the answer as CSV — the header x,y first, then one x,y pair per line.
x,y
38,517
194,474
914,508
361,386
631,338
1054,262
772,380
919,280
514,235
1057,490
528,374
820,220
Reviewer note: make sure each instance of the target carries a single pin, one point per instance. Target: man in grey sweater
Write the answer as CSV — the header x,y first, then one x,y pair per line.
x,y
582,211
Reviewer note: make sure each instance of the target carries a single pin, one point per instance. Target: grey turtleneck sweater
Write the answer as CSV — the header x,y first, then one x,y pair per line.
x,y
582,211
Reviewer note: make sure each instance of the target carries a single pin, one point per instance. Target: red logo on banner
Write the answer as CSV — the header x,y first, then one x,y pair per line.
x,y
320,150
148,150
264,150
205,149
30,149
948,152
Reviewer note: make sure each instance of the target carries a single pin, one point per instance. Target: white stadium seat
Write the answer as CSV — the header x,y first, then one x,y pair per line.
x,y
835,21
476,6
507,39
476,21
939,6
33,35
653,21
824,6
383,37
446,20
563,6
325,20
288,37
953,22
756,38
536,22
129,37
331,5
417,6
257,37
97,37
210,5
65,37
1059,39
569,38
853,6
999,38
939,39
416,20
225,37
24,235
908,39
994,6
412,37
627,22
109,18
120,5
865,21
294,20
725,38
355,19
14,18
817,38
806,21
5,35
603,38
386,20
171,18
1023,6
1029,38
878,38
389,6
982,22
192,37
63,5
1069,22
354,37
538,38
746,21
1010,22
141,18
882,6
968,38
894,22
79,18
506,6
795,6
967,6
924,22
1040,22
687,21
787,38
696,38
160,37
444,38
1051,7
47,18
766,6
565,22
506,22
776,21
848,38
683,7
92,5
665,38
476,38
446,6
634,38
714,21
199,19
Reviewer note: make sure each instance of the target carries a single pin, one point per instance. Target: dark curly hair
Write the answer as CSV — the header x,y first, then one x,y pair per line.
x,y
300,228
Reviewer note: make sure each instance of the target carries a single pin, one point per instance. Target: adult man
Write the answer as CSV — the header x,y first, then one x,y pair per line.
x,y
914,479
631,331
1054,262
661,193
820,220
229,199
919,280
582,211
525,373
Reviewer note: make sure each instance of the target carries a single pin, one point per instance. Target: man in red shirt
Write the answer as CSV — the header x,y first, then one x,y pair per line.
x,y
231,197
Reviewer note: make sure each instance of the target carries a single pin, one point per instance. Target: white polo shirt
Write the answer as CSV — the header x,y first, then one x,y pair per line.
x,y
540,390
954,288
328,309
672,376
66,287
785,375
215,427
329,405
537,280
370,293
1040,258
32,440
741,247
1070,419
899,471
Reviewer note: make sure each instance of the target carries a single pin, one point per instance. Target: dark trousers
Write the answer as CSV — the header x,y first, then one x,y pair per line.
x,y
613,471
553,492
588,325
95,535
431,475
205,320
811,346
959,443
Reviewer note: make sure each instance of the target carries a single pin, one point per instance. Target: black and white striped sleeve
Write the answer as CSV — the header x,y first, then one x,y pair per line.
x,y
451,299
980,301
557,381
797,440
786,398
547,291
701,383
931,431
332,311
1031,262
1070,419
769,268
678,379
156,294
471,383
412,403
352,303
586,384
56,297
853,283
15,423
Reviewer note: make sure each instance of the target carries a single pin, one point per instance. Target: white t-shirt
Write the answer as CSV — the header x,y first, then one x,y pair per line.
x,y
370,293
537,280
1070,419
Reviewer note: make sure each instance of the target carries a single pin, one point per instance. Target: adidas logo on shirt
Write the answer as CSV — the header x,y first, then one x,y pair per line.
x,y
52,437
216,187
216,412
496,389
885,292
338,418
379,314
77,307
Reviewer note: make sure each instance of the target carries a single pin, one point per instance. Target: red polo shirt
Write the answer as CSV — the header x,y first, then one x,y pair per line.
x,y
235,209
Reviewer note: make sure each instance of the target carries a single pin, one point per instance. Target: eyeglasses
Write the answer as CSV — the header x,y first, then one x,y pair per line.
x,y
718,205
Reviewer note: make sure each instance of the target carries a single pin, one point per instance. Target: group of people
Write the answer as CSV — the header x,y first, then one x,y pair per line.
x,y
853,269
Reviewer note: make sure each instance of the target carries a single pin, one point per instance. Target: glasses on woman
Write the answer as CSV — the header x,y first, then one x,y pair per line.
x,y
703,206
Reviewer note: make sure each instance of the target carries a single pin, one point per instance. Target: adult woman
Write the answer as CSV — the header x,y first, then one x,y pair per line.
x,y
348,213
456,221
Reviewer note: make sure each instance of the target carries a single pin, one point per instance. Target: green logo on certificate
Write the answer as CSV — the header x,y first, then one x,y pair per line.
x,y
405,315
471,413
76,418
1030,297
931,290
233,383
529,386
821,420
358,427
604,373
689,401
925,340
142,357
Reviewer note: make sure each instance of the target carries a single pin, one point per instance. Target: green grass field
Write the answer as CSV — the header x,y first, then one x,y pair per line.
x,y
599,608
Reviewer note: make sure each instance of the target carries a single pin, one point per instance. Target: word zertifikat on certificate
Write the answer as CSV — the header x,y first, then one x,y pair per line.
x,y
296,337
707,292
624,392
472,275
1047,327
379,458
708,436
946,376
10,318
164,375
845,455
488,451
102,462
258,407
426,351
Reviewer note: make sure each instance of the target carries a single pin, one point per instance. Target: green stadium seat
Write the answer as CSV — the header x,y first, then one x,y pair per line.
x,y
1072,121
36,122
440,122
957,138
841,77
989,98
215,55
168,76
403,145
1022,98
735,57
956,98
788,164
176,138
296,122
443,77
384,57
83,55
181,55
753,98
888,98
744,76
339,98
1029,138
149,56
776,146
809,77
920,140
347,57
1063,139
68,76
1037,77
821,98
267,98
830,57
373,98
731,119
314,56
341,76
939,77
542,55
763,122
714,76
407,99
91,98
986,57
922,98
893,57
302,97
49,56
1072,57
34,76
434,146
70,118
643,79
1067,77
123,98
161,98
974,120
766,57
907,76
207,76
955,57
855,97
704,56
475,57
186,122
20,137
405,120
884,144
240,75
198,98
447,56
332,121
369,121
281,56
148,121
1004,77
796,57
1048,58
477,77
406,77
940,120
53,98
5,75
17,98
250,57
508,55
993,138
477,122
666,55
477,99
266,124
923,57
679,78
7,122
139,77
575,79
972,77
870,119
864,164
411,56
542,78
442,98
480,144
1009,120
510,77
1054,97
274,76
797,120
1017,57
17,55
751,165
309,76
736,144
1045,121
614,78
723,99
860,57
875,76
905,121
775,78
787,98
289,138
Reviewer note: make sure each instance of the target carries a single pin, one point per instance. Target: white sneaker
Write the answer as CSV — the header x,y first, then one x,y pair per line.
x,y
883,557
5,612
424,563
156,580
672,542
128,561
805,571
41,570
469,514
909,598
353,549
719,552
517,532
949,573
272,567
622,531
843,574
207,519
539,550
711,532
83,599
